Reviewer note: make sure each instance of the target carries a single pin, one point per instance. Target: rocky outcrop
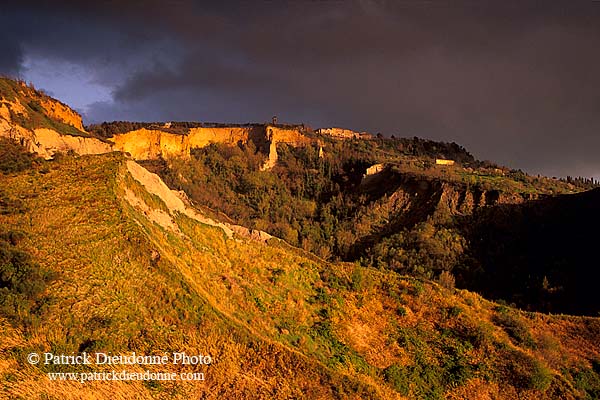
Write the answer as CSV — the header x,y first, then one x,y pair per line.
x,y
63,113
291,136
174,201
47,142
371,173
7,106
275,135
408,198
272,158
461,199
203,136
37,122
148,144
17,122
141,144
342,133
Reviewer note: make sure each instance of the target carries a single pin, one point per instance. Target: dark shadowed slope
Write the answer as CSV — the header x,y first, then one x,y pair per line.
x,y
542,254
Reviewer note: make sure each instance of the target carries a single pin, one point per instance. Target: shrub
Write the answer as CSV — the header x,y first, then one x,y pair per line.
x,y
357,283
22,281
446,279
10,205
515,327
398,378
453,312
587,380
526,372
540,377
417,381
14,157
478,334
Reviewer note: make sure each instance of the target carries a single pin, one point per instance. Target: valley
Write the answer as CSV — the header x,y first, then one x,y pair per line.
x,y
317,277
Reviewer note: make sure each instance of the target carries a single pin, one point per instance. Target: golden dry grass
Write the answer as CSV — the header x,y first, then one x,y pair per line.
x,y
277,322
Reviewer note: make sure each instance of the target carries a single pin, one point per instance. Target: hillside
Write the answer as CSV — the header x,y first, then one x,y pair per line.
x,y
348,196
46,126
386,204
129,268
41,124
306,265
553,239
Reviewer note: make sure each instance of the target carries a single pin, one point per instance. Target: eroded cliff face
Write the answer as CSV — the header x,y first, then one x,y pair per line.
x,y
8,106
201,137
45,141
63,113
46,126
292,136
142,144
42,124
407,199
148,144
460,199
145,144
275,135
177,202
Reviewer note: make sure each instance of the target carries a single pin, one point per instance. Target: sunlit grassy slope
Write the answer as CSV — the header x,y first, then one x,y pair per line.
x,y
278,322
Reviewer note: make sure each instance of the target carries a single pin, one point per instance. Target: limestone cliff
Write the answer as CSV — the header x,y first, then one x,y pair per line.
x,y
45,126
45,141
291,136
145,144
61,112
149,144
411,198
277,135
203,136
178,203
42,124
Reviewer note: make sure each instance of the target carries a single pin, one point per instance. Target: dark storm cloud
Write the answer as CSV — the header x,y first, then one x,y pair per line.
x,y
515,82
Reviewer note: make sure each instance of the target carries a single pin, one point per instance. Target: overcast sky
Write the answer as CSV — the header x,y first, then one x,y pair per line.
x,y
516,82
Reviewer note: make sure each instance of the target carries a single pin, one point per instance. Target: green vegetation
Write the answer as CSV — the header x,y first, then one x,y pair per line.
x,y
514,326
279,322
14,158
22,281
587,379
109,129
527,372
86,265
413,217
35,116
310,202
